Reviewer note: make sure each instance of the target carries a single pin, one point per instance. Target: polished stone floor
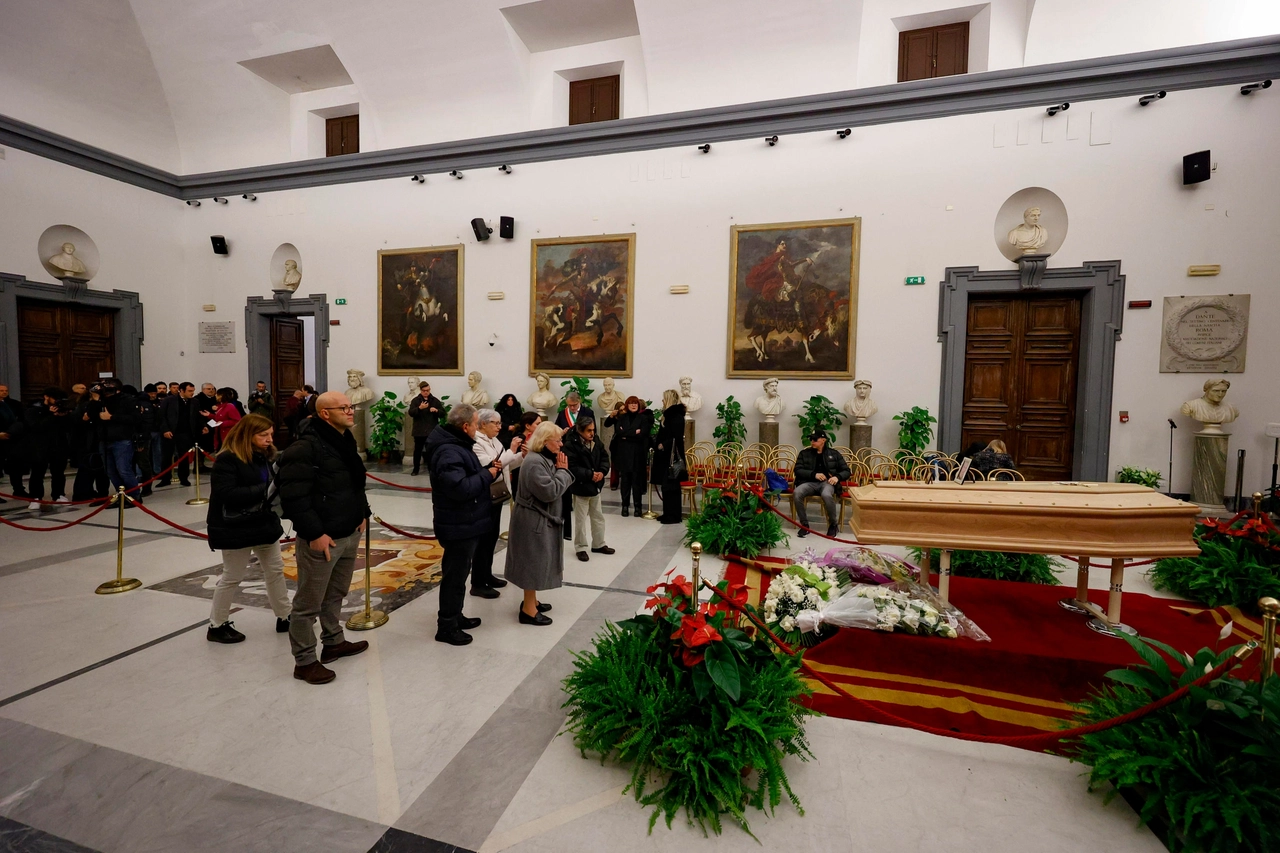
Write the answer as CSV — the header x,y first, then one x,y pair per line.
x,y
123,729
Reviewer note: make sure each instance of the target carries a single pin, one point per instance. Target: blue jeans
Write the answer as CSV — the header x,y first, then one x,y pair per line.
x,y
119,455
157,452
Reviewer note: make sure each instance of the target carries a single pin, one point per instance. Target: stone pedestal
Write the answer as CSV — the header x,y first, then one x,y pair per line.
x,y
360,429
769,433
859,436
689,433
1209,469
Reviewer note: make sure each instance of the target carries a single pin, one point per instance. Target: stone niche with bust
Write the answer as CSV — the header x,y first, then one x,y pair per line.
x,y
1209,459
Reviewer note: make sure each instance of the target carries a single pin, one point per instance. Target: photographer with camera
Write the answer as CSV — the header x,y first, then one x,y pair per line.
x,y
261,402
48,445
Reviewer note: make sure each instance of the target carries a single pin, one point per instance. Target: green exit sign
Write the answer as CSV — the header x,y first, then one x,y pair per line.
x,y
344,302
915,279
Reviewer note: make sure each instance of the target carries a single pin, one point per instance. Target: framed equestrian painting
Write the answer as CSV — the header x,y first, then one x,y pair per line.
x,y
793,299
581,305
420,311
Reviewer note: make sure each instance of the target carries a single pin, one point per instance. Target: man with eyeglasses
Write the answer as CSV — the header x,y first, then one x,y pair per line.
x,y
426,411
321,481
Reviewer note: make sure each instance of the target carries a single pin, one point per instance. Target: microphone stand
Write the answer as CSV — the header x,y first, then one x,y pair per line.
x,y
1172,427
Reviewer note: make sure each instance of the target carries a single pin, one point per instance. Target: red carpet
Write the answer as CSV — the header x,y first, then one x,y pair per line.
x,y
1041,658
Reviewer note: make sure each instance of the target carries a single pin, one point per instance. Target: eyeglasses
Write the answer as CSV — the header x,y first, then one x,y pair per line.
x,y
339,409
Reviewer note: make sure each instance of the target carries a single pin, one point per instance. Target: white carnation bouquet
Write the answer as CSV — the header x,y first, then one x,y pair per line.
x,y
804,587
904,606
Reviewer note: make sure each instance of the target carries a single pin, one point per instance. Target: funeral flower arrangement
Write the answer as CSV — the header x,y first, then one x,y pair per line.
x,y
807,585
898,611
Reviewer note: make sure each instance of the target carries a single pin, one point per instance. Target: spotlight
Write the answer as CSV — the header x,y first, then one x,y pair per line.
x,y
705,149
1250,88
772,140
504,169
455,174
191,202
249,197
1146,99
418,179
844,134
493,339
219,199
1058,108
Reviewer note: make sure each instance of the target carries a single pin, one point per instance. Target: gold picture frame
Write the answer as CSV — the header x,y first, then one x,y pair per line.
x,y
577,288
420,311
798,283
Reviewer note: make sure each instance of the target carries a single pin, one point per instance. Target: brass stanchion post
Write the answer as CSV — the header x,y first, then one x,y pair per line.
x,y
696,548
370,618
1270,608
121,583
649,513
195,463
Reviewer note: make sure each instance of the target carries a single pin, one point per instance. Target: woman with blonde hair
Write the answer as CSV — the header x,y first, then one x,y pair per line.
x,y
995,455
669,446
535,557
243,523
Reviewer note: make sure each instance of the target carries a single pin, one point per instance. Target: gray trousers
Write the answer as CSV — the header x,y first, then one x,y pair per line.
x,y
583,509
826,491
235,565
322,586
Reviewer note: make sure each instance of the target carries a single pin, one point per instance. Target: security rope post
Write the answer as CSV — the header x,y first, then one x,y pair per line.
x,y
195,463
369,618
696,548
649,513
1270,608
121,583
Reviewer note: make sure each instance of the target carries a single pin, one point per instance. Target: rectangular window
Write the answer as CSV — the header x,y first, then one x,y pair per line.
x,y
342,135
596,99
933,52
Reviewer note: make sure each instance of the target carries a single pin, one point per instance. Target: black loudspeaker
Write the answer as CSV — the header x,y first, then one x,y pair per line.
x,y
482,231
507,227
219,245
1195,167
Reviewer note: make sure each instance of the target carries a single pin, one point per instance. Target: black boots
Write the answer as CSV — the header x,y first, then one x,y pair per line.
x,y
224,633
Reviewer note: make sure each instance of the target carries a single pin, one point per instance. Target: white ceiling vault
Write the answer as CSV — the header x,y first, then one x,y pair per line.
x,y
168,83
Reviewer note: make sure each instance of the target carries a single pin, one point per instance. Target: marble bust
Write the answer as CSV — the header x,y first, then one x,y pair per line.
x,y
544,399
691,399
475,395
67,263
608,399
770,404
1030,236
413,388
357,392
1210,409
860,406
292,276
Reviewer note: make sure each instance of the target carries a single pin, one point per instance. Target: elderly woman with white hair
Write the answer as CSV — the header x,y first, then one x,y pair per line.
x,y
535,555
488,448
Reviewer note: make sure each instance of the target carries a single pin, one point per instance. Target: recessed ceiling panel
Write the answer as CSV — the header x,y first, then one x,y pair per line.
x,y
553,24
302,70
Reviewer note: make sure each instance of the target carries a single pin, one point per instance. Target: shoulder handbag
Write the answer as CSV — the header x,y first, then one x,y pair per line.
x,y
677,470
498,491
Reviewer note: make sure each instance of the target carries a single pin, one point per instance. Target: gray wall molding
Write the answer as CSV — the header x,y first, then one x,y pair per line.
x,y
258,311
128,326
1101,322
1199,66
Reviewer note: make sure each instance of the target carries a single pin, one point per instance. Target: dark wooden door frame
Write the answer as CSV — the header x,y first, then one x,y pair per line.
x,y
1101,322
257,332
128,326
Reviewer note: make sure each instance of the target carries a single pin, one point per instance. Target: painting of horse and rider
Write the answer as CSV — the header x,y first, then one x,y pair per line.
x,y
420,311
581,305
793,306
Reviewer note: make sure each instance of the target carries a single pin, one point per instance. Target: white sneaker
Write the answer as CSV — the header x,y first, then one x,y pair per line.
x,y
63,500
34,506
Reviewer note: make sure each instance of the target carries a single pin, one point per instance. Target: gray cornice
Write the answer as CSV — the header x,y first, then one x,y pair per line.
x,y
1199,66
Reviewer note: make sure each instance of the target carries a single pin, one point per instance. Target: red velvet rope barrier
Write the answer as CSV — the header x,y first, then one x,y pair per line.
x,y
397,485
394,529
158,517
176,463
81,520
759,493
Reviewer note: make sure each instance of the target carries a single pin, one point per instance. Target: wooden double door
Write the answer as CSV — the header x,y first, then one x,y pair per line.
x,y
288,370
61,344
1021,369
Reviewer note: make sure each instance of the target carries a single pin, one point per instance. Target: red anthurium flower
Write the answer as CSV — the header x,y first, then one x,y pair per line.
x,y
658,601
695,632
681,586
690,658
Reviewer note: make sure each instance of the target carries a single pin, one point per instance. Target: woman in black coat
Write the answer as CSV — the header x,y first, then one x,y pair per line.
x,y
242,523
510,411
669,445
630,450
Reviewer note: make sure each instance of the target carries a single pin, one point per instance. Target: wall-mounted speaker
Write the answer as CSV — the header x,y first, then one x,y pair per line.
x,y
481,230
219,245
1195,167
507,227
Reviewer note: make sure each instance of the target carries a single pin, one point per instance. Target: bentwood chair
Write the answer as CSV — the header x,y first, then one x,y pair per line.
x,y
751,465
689,486
1008,474
720,473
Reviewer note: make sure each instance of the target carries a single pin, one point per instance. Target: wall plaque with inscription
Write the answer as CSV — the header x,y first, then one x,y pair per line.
x,y
1204,334
218,337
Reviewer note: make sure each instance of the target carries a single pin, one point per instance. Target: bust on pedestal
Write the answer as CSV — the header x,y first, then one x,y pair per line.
x,y
1209,461
770,404
544,399
692,401
475,395
361,396
859,408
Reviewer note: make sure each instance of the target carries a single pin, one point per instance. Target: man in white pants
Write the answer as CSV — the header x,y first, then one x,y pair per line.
x,y
589,465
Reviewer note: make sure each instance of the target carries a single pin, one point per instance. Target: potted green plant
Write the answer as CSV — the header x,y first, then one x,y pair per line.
x,y
731,427
582,385
819,413
915,430
386,421
1139,476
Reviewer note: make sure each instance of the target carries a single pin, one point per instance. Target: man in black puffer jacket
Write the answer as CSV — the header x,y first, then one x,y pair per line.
x,y
321,482
460,507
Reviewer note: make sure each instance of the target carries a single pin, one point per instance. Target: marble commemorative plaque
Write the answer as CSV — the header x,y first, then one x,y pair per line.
x,y
1204,334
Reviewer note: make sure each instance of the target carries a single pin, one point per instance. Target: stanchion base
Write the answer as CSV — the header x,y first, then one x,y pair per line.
x,y
367,621
120,585
650,514
1072,605
1106,629
197,502
504,535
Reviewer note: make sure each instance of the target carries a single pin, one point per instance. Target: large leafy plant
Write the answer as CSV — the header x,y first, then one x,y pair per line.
x,y
733,522
915,430
731,427
1204,767
1139,476
1239,563
995,565
387,419
582,385
819,413
703,714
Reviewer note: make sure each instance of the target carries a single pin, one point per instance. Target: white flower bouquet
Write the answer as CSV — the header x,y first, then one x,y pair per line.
x,y
904,606
804,587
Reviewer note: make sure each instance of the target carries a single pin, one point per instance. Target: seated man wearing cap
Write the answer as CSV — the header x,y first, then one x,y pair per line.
x,y
819,470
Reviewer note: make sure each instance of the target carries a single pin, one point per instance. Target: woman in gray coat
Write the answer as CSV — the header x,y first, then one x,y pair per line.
x,y
535,552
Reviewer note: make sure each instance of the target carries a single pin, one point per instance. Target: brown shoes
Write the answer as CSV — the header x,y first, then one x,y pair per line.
x,y
342,650
313,673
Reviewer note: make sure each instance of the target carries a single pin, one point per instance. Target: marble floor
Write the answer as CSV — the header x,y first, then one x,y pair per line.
x,y
123,729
